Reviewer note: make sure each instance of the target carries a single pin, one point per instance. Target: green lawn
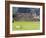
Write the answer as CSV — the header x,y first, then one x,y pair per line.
x,y
23,25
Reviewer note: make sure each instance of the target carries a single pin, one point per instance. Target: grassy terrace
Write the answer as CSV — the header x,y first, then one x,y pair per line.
x,y
23,25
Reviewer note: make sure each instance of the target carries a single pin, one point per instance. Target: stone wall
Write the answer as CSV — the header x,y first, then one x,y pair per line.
x,y
23,17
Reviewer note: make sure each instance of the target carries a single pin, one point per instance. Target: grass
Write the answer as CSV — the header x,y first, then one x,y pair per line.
x,y
23,25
